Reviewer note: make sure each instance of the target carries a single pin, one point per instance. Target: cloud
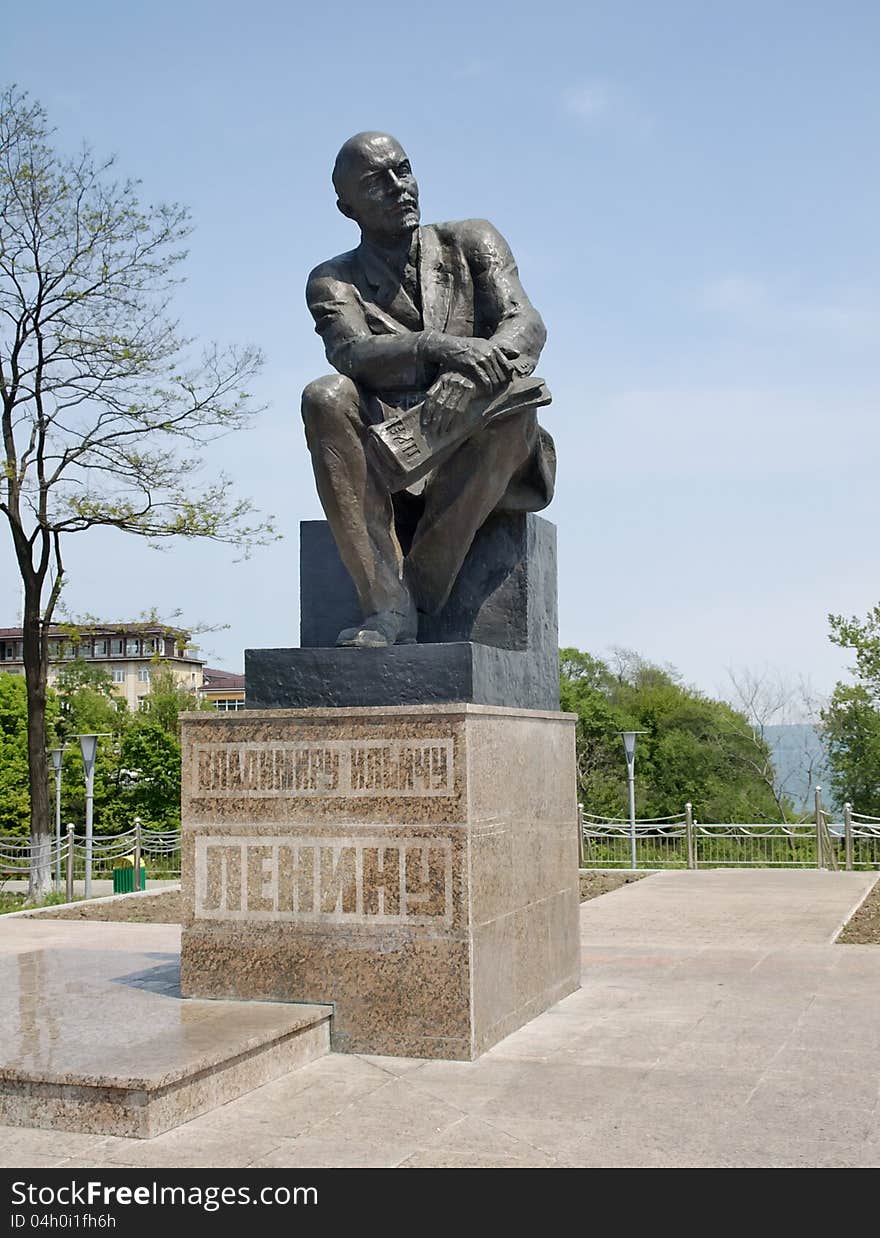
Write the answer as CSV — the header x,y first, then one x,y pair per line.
x,y
475,67
735,294
587,101
849,315
744,436
600,105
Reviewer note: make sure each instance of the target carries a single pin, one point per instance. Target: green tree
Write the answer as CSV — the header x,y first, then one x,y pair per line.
x,y
15,810
86,705
851,722
168,698
147,780
148,784
694,748
103,407
86,702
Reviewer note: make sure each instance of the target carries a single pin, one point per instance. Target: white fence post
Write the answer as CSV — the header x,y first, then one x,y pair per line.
x,y
70,862
824,858
137,853
689,831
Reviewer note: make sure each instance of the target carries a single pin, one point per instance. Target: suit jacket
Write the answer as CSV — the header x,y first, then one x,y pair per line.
x,y
469,286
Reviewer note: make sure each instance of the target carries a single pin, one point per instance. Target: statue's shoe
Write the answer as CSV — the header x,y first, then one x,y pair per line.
x,y
386,627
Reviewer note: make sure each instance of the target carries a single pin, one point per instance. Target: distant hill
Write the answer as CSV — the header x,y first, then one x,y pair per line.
x,y
801,763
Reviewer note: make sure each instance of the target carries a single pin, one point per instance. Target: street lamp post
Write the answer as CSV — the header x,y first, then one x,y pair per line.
x,y
89,746
629,747
137,853
57,755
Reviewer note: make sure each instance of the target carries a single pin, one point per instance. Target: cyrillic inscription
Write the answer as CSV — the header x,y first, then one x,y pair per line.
x,y
324,880
360,768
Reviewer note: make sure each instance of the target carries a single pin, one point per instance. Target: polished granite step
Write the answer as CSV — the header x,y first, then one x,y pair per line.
x,y
102,1041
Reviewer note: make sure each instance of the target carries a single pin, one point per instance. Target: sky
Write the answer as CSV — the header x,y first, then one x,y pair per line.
x,y
692,193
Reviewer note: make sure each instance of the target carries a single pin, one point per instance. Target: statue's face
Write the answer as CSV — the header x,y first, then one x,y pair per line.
x,y
379,190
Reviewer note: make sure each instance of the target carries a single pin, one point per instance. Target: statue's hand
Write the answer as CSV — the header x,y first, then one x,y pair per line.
x,y
446,399
494,360
487,365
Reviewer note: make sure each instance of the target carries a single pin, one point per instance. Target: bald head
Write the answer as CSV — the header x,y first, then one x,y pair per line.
x,y
375,186
360,152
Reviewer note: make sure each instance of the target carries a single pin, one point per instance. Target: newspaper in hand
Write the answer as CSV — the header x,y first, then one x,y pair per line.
x,y
403,450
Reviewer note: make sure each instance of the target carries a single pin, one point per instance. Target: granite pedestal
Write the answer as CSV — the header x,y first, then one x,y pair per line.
x,y
414,867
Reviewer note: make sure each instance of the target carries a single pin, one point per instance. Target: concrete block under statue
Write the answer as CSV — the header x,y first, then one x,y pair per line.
x,y
414,866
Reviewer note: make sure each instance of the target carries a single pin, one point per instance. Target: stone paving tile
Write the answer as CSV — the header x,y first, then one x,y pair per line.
x,y
393,1111
748,1145
332,1082
622,1049
849,1088
787,1104
468,1086
710,960
860,959
555,1137
612,1142
304,1112
672,1053
38,934
32,1141
351,1068
473,1137
754,1155
760,1005
566,1090
474,1160
809,1034
731,908
827,1011
27,1160
847,984
609,1156
311,1152
827,1060
686,1124
394,1065
679,1087
181,1148
833,1088
811,965
701,1057
539,1044
742,1037
645,950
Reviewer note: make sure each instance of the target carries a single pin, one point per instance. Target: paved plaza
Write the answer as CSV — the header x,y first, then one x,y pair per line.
x,y
717,1025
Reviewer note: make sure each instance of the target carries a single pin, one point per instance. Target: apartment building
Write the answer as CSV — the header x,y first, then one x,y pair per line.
x,y
131,652
224,689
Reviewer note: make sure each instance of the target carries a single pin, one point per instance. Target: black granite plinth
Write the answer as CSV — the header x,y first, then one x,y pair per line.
x,y
401,675
494,643
505,594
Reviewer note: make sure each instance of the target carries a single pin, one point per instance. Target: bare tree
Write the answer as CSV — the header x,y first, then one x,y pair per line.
x,y
104,410
769,699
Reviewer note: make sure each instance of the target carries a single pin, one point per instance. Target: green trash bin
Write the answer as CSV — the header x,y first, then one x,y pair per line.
x,y
123,875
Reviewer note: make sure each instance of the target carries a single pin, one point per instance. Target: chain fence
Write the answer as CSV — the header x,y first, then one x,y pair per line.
x,y
681,842
676,841
159,851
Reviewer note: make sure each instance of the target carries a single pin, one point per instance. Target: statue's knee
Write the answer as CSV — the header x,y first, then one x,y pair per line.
x,y
328,397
